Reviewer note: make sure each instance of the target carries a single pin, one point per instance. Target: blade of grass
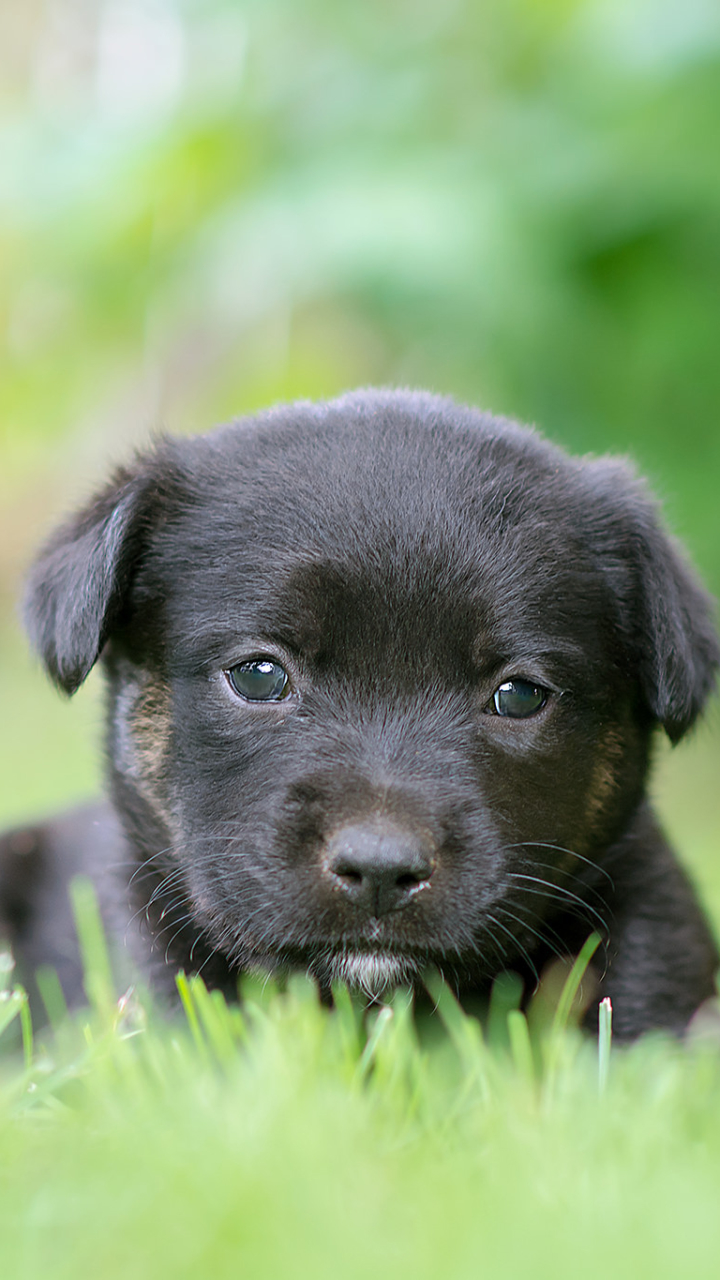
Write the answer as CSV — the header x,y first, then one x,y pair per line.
x,y
26,1028
52,995
559,1048
379,1029
506,994
347,1015
93,948
188,1004
604,1042
395,1050
572,983
222,1026
11,1003
521,1044
464,1032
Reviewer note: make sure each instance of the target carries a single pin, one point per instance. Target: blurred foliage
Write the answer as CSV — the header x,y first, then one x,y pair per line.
x,y
208,205
281,1138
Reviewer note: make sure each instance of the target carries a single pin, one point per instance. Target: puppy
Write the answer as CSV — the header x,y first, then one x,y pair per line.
x,y
382,678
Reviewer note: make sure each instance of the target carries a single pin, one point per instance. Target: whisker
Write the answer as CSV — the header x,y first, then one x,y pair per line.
x,y
589,895
516,942
542,937
545,844
180,926
561,894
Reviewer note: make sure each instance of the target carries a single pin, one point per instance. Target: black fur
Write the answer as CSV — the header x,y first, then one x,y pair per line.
x,y
401,557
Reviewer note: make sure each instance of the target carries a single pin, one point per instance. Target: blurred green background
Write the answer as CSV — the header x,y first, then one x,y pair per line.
x,y
209,205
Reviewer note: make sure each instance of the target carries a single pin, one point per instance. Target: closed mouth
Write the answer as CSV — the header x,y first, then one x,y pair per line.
x,y
372,972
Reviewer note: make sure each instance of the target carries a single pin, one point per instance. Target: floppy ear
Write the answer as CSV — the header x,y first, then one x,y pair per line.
x,y
78,584
666,613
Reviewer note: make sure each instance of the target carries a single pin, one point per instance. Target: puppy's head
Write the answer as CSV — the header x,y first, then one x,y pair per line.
x,y
381,673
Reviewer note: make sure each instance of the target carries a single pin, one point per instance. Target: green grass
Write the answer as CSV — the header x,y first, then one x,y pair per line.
x,y
279,1138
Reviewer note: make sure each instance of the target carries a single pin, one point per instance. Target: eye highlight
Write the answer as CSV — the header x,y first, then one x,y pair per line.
x,y
518,699
259,680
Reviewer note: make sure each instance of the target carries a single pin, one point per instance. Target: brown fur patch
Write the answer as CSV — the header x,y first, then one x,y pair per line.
x,y
150,726
604,775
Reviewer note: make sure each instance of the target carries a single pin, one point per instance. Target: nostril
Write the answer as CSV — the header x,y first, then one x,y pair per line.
x,y
409,878
341,868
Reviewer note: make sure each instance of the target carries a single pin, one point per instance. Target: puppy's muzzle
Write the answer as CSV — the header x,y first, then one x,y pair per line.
x,y
378,867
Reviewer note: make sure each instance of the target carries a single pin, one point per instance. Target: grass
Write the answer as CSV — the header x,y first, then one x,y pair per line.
x,y
278,1138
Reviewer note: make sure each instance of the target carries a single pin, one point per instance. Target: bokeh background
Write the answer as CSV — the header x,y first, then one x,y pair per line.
x,y
209,205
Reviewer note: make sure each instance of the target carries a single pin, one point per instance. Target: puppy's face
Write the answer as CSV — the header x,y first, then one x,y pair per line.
x,y
378,693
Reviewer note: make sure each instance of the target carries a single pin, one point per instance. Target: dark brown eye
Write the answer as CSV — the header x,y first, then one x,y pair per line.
x,y
518,699
259,680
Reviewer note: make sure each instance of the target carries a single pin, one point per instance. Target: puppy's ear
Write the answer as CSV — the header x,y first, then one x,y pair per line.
x,y
78,584
667,615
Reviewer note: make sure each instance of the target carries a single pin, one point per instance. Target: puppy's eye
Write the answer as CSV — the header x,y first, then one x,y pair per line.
x,y
518,699
260,680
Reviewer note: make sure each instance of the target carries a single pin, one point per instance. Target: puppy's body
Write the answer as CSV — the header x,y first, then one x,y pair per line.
x,y
382,678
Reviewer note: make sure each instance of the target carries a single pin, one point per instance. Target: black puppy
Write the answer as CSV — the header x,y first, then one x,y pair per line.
x,y
382,677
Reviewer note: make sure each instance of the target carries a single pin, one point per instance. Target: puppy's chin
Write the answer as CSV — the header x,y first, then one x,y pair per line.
x,y
374,973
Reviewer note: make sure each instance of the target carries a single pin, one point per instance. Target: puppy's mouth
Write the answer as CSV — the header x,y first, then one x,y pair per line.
x,y
372,972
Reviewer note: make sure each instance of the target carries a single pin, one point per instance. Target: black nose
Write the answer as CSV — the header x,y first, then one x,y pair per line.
x,y
379,867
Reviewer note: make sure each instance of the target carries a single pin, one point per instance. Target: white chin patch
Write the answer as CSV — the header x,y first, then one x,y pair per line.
x,y
372,972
